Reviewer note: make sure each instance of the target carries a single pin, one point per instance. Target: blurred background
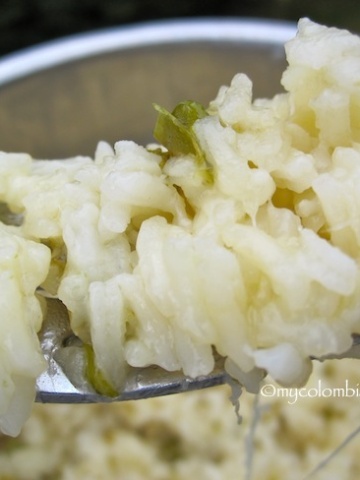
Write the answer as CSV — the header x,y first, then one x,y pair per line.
x,y
29,22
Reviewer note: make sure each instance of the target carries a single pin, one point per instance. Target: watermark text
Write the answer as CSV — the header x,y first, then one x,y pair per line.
x,y
347,390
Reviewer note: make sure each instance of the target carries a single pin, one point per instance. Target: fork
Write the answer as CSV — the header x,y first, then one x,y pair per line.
x,y
65,381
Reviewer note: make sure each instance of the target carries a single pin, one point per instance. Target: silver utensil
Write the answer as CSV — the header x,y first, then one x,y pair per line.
x,y
65,380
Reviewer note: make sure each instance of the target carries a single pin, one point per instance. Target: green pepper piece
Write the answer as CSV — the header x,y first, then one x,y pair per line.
x,y
188,112
95,376
174,131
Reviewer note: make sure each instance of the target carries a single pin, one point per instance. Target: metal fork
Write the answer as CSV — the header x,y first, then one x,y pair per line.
x,y
65,381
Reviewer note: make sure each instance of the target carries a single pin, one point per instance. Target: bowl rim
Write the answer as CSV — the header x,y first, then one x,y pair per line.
x,y
79,46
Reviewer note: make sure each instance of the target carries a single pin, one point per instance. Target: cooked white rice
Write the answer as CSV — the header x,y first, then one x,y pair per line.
x,y
245,238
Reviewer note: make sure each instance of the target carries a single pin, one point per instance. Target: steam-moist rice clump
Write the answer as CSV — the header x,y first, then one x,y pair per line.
x,y
247,240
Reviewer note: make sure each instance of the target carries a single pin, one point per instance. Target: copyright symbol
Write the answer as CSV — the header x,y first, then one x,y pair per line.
x,y
268,390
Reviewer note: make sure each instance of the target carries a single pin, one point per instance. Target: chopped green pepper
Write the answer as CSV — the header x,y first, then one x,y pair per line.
x,y
95,376
174,131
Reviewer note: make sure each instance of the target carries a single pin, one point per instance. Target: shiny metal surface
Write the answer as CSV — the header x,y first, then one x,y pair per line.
x,y
60,99
65,380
